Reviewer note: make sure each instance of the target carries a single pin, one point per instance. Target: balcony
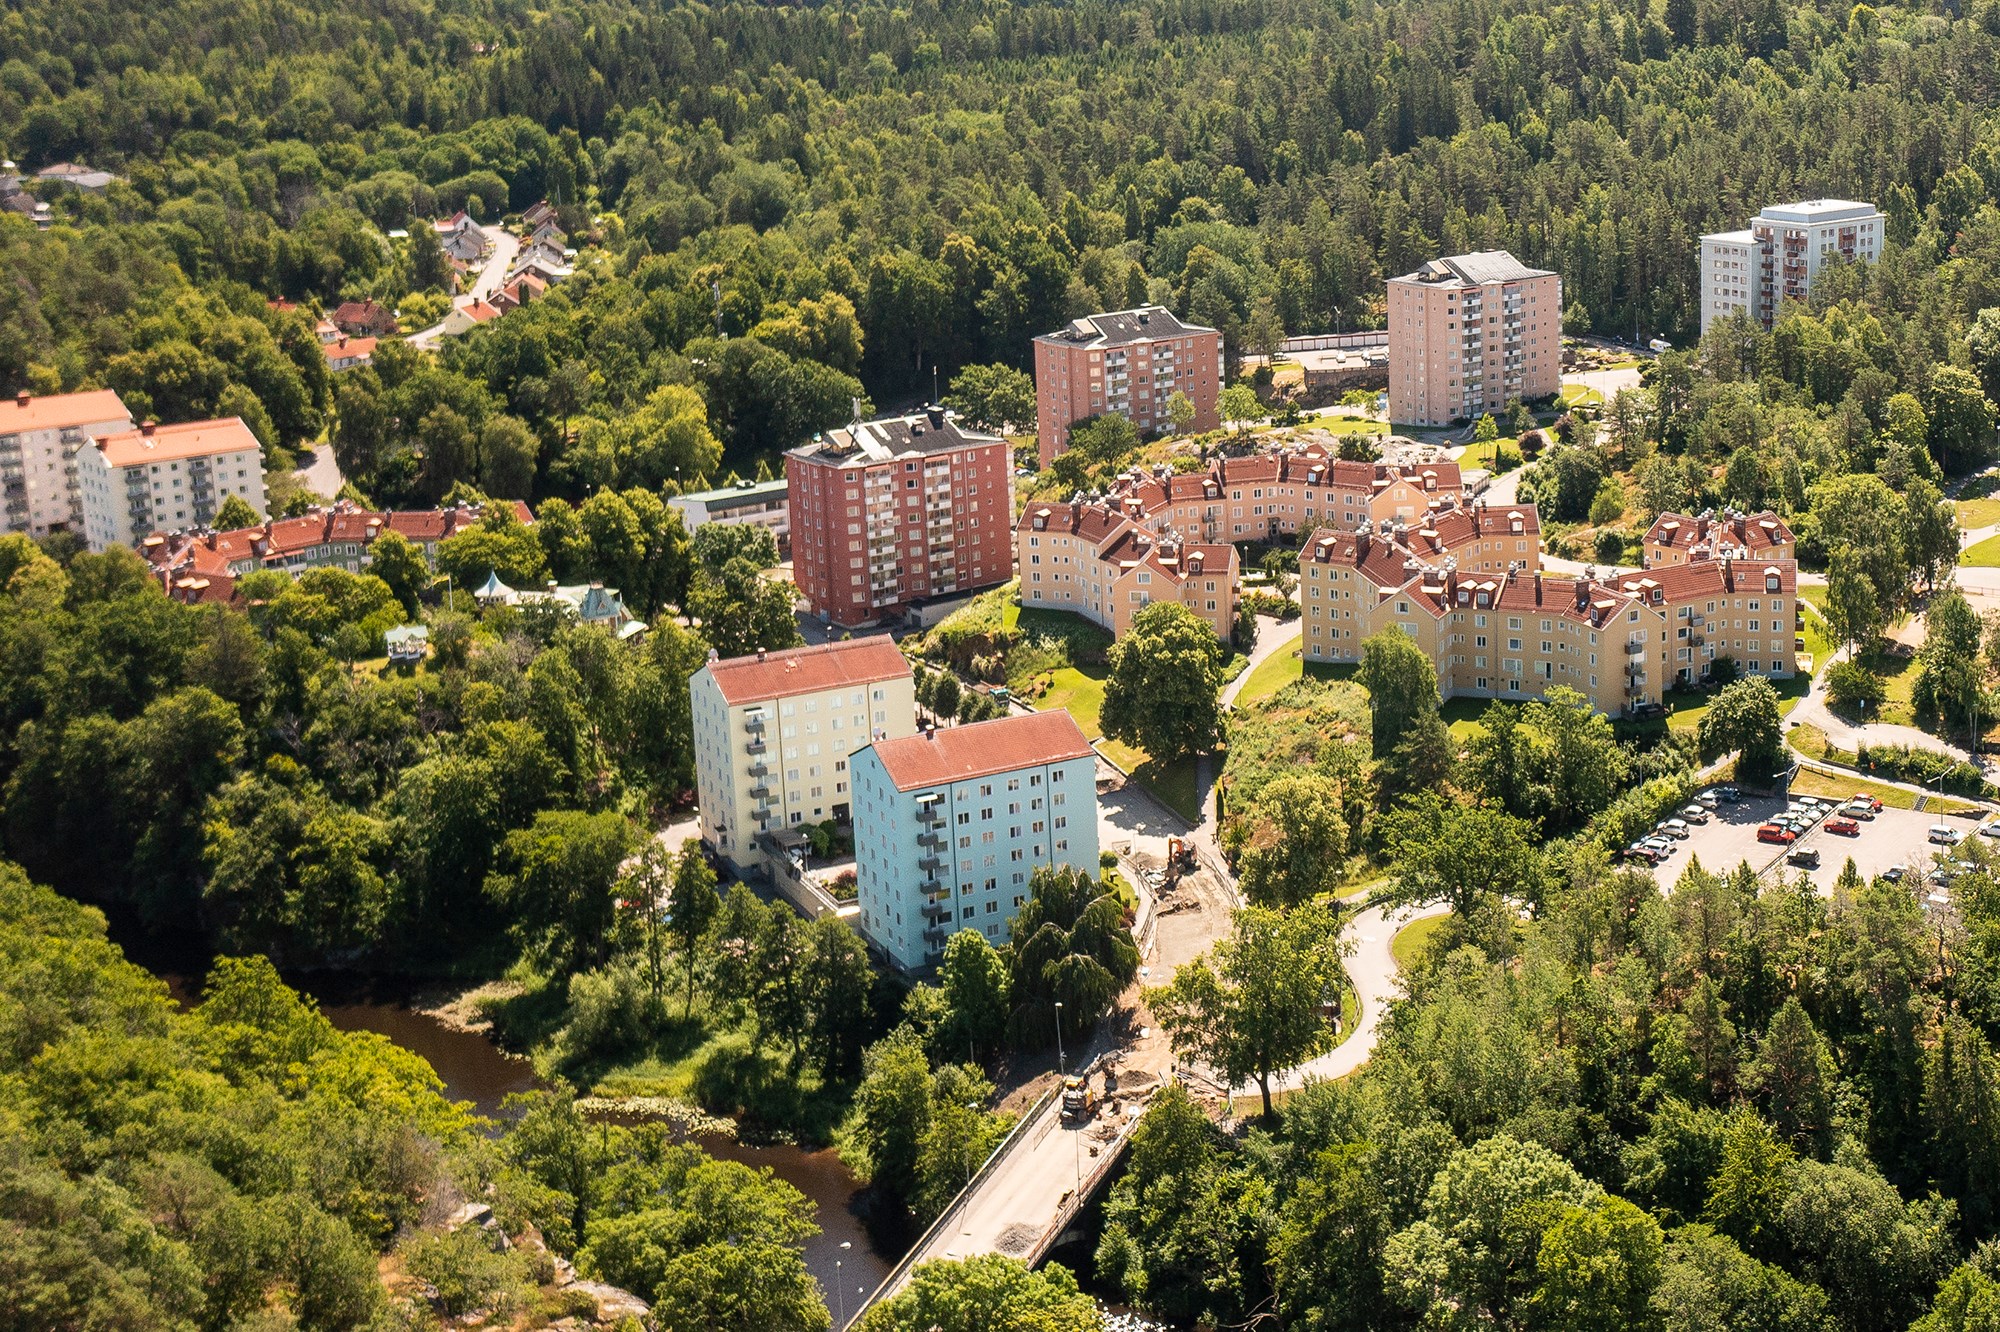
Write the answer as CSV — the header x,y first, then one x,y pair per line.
x,y
931,841
931,865
937,911
753,721
935,934
755,746
1697,640
761,791
1635,648
759,770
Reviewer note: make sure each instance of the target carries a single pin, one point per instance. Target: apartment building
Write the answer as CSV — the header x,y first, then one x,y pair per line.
x,y
949,825
1282,493
774,732
1515,633
40,438
203,564
1679,538
897,512
160,477
1091,560
1471,334
1776,258
1130,362
759,503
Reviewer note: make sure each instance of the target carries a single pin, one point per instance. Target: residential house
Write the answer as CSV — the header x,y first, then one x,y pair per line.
x,y
1091,560
592,603
364,319
466,314
348,353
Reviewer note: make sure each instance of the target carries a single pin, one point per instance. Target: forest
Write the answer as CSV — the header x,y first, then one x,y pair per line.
x,y
784,208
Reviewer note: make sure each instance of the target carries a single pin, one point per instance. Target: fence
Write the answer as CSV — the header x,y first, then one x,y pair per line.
x,y
1335,341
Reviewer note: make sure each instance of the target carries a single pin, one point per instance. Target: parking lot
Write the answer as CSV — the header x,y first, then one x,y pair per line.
x,y
1892,837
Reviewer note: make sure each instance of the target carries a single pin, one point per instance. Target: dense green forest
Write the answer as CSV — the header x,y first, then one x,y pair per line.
x,y
862,199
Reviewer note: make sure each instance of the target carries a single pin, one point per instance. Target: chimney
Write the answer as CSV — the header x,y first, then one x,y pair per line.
x,y
936,413
21,398
1361,540
148,427
760,654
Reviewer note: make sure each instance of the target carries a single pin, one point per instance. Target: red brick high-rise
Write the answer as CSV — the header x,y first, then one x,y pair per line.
x,y
1131,362
898,511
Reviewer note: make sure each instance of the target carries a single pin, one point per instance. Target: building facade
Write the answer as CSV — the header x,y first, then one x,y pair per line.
x,y
1130,362
761,503
40,438
1089,559
1775,259
774,733
158,478
950,824
897,512
1283,493
1515,633
1472,334
1679,538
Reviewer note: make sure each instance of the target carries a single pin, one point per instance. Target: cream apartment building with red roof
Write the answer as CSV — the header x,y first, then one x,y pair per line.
x,y
161,477
1679,538
949,826
1283,493
774,732
40,438
1513,632
1090,560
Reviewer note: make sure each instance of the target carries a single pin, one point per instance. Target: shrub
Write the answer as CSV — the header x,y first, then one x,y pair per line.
x,y
1271,604
1608,505
1925,767
608,1014
1849,684
1609,547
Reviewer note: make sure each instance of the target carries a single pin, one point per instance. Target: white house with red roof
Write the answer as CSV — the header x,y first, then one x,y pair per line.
x,y
773,733
950,824
161,477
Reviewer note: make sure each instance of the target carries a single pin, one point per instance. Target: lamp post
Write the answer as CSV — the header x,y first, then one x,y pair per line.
x,y
1062,1068
840,1289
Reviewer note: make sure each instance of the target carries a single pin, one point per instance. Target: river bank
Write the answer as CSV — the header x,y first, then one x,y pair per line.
x,y
443,1027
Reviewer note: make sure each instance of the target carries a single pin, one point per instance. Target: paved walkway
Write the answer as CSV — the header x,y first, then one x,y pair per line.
x,y
1812,710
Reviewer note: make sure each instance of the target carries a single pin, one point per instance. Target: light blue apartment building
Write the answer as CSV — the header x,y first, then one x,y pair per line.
x,y
949,824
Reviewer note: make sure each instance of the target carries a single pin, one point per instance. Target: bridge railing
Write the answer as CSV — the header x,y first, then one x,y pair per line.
x,y
901,1271
1086,1189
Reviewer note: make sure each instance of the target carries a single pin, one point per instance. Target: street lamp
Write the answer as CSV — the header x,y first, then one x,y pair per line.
x,y
1062,1069
840,1290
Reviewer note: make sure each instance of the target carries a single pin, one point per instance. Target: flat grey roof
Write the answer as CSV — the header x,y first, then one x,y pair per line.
x,y
1123,326
1478,267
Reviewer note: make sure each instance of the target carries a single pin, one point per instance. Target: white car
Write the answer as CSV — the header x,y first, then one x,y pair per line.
x,y
1674,828
1695,814
1990,829
1945,835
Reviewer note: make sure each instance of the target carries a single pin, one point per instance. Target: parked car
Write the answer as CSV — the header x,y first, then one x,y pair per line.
x,y
1640,852
1894,874
1944,834
1663,845
1845,827
1812,802
1772,832
1858,809
1804,856
1707,800
1674,828
1940,876
1990,829
1728,794
1863,798
1695,814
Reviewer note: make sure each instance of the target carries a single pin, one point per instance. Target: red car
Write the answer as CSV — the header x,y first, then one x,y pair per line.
x,y
1863,798
1845,827
1771,832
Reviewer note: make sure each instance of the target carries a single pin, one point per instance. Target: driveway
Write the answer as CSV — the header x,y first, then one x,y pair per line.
x,y
492,274
322,475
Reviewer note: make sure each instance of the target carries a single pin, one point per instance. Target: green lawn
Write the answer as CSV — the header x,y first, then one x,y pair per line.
x,y
1978,512
1984,555
1408,945
1286,668
1351,425
1574,395
1462,716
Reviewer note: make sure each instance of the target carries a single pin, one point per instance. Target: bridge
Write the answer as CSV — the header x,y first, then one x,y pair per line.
x,y
1021,1201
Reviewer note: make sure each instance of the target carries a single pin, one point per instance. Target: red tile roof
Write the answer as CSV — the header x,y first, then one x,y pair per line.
x,y
960,753
808,670
214,554
1755,531
24,411
347,348
479,311
1092,522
